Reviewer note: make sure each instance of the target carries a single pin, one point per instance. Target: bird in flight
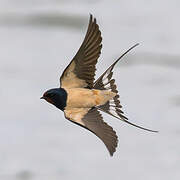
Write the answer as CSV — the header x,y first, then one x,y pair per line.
x,y
81,98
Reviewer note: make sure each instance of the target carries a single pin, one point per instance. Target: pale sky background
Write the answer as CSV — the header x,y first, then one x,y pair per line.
x,y
38,38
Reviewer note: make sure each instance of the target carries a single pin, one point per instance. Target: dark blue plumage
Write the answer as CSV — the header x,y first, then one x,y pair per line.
x,y
57,97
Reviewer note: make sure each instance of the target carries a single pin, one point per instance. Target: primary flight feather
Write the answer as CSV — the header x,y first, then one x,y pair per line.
x,y
81,98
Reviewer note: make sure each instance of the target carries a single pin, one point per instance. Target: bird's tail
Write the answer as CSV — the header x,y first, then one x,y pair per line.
x,y
106,82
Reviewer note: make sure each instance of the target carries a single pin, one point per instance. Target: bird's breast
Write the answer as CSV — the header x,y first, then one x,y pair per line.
x,y
87,98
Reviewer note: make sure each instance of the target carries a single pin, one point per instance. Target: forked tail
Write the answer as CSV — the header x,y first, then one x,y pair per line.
x,y
106,82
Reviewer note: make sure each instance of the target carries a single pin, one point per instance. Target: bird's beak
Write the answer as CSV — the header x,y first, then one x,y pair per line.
x,y
42,97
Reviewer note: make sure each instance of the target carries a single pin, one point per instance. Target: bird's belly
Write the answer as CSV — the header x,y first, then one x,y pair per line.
x,y
86,98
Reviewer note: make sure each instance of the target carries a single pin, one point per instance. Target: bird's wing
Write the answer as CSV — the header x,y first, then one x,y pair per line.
x,y
81,70
92,120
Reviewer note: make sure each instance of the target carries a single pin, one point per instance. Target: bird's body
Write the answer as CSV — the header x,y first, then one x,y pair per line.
x,y
87,98
81,98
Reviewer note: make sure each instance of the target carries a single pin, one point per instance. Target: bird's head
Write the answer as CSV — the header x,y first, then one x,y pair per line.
x,y
57,97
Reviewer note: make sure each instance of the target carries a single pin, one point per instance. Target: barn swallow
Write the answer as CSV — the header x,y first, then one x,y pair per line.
x,y
81,98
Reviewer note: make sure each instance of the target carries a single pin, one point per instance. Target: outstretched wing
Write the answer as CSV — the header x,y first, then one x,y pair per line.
x,y
81,70
93,121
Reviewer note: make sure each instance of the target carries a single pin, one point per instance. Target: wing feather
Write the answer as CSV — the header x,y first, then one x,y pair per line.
x,y
92,120
81,70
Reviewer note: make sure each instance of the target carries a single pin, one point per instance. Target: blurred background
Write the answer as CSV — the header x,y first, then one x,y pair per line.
x,y
38,38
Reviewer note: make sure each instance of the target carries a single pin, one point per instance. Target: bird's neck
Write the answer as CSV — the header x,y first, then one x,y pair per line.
x,y
60,102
